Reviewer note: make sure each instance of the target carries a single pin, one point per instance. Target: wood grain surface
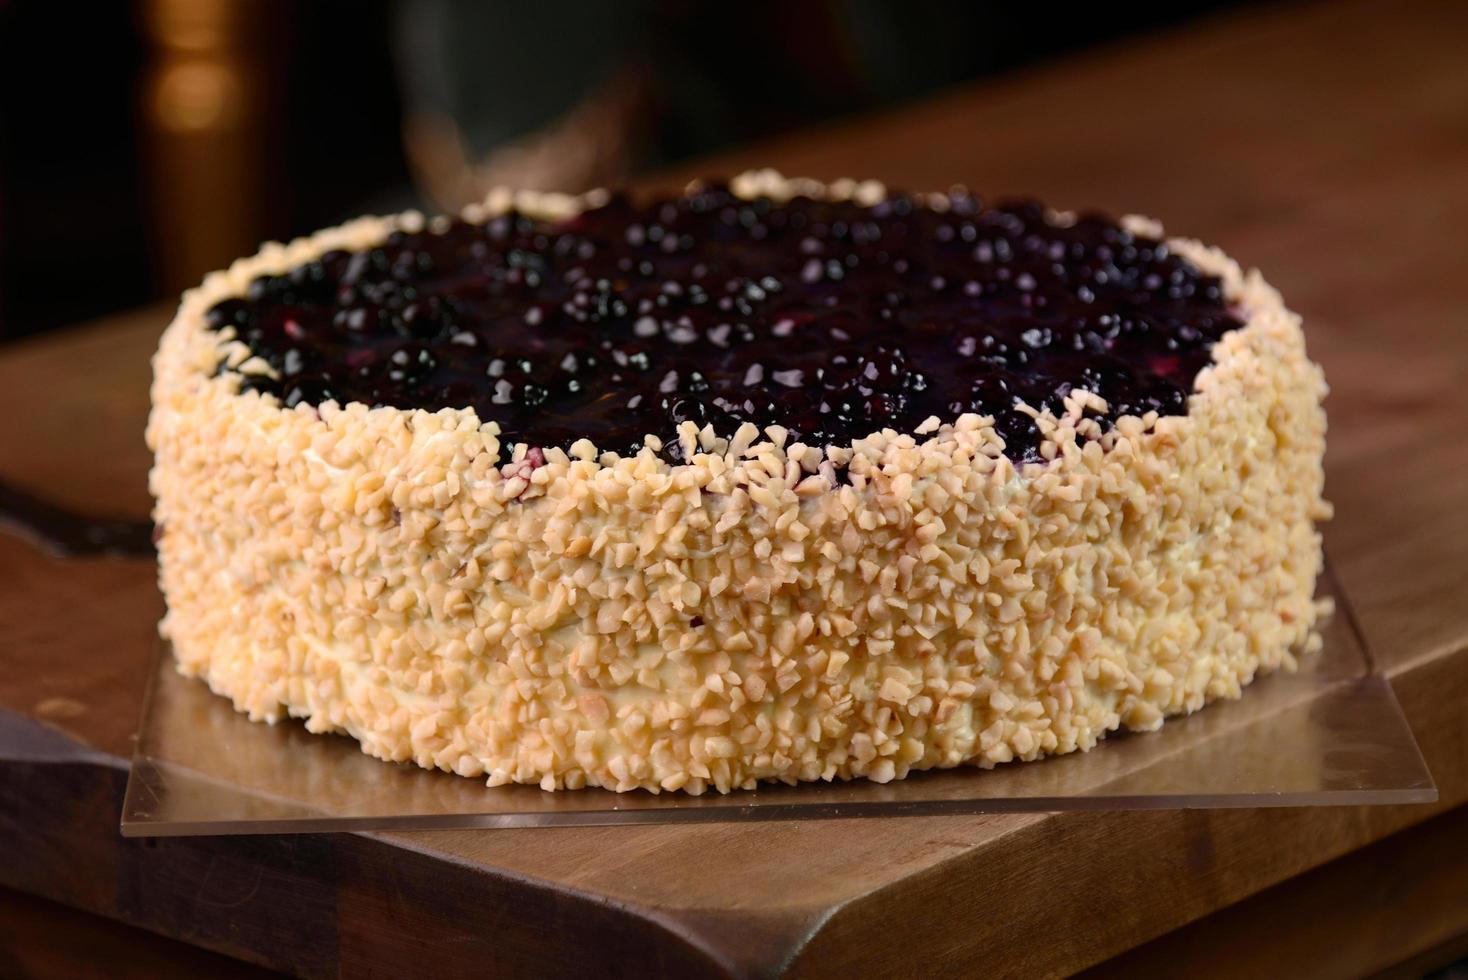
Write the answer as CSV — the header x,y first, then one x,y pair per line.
x,y
1406,892
1326,144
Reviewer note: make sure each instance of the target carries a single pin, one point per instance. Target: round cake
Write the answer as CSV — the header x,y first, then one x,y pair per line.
x,y
774,480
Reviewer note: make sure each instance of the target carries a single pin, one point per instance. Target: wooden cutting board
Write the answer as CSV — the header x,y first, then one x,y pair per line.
x,y
1326,144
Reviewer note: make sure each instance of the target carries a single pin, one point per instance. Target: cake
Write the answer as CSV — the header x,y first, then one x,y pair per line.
x,y
773,480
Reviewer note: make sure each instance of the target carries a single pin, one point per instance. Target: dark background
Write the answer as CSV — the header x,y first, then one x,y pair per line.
x,y
160,139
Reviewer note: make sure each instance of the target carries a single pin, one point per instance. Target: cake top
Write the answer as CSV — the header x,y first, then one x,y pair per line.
x,y
831,318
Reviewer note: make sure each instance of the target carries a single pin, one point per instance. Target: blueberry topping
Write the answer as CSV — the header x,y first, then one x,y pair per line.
x,y
832,319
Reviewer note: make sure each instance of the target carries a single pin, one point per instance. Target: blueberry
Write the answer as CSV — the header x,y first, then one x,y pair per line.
x,y
831,319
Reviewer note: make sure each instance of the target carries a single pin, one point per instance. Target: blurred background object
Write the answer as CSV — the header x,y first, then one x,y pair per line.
x,y
167,137
205,94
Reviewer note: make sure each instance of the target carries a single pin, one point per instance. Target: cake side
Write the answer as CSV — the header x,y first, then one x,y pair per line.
x,y
565,620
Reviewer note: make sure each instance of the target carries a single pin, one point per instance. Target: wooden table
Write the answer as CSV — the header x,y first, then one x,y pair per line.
x,y
1328,145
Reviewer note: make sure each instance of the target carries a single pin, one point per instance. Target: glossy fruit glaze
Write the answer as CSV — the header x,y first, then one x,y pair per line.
x,y
832,318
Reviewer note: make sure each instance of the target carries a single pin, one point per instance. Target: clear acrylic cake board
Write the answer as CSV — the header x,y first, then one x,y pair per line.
x,y
1331,734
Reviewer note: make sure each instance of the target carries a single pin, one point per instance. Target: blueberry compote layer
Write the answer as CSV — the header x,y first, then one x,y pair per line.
x,y
833,319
